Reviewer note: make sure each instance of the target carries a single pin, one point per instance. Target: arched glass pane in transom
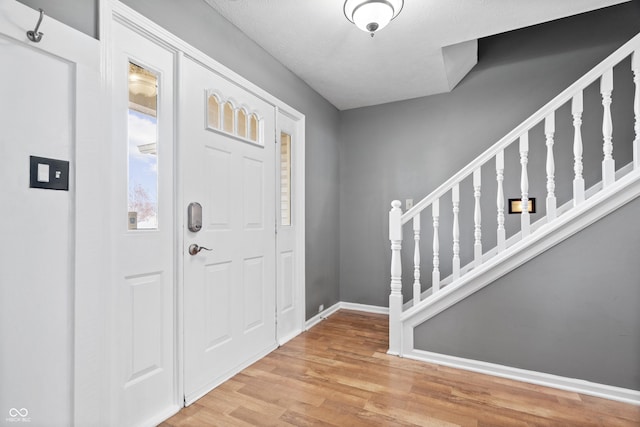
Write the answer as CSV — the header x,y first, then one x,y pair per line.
x,y
242,123
213,112
229,119
253,128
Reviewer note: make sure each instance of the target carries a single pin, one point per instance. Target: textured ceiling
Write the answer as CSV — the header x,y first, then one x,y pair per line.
x,y
426,50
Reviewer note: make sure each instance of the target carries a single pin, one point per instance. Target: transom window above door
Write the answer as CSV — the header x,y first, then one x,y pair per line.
x,y
225,116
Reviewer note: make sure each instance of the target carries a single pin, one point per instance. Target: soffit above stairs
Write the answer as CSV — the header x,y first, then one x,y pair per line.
x,y
426,50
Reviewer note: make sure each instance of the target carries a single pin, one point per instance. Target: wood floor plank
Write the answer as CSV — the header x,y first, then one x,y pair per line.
x,y
338,374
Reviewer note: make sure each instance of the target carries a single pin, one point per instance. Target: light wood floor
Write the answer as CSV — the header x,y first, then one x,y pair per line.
x,y
338,374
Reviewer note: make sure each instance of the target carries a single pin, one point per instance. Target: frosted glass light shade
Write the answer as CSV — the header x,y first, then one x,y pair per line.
x,y
372,15
142,82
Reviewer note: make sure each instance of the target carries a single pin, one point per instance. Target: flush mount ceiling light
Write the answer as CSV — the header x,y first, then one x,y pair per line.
x,y
372,15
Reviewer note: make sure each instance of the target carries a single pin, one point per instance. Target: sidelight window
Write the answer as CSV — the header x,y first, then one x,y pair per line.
x,y
285,179
142,149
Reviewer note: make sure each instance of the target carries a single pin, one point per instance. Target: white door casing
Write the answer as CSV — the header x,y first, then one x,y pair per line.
x,y
51,259
143,278
290,296
229,291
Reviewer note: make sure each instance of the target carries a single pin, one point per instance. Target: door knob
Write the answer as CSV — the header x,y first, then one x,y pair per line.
x,y
194,249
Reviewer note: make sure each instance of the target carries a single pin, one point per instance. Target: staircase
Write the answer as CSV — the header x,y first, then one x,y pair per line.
x,y
512,248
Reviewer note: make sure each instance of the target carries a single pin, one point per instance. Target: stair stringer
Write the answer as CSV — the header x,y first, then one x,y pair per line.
x,y
596,207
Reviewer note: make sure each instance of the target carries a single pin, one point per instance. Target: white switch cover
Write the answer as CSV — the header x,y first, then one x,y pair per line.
x,y
409,204
43,172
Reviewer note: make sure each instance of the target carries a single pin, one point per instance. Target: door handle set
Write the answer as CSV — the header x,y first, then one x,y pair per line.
x,y
194,223
194,249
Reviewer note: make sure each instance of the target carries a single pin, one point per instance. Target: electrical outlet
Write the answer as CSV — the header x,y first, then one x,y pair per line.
x,y
408,203
320,308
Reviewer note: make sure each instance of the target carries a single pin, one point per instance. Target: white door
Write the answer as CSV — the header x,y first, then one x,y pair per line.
x,y
143,350
43,98
228,168
290,304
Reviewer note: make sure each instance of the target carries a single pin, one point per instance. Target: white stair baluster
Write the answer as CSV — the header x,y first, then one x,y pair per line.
x,y
395,298
477,219
500,200
417,289
455,199
635,66
549,130
435,276
525,222
608,164
578,180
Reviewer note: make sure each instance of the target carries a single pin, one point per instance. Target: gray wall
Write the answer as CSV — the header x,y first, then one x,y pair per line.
x,y
579,321
407,149
199,25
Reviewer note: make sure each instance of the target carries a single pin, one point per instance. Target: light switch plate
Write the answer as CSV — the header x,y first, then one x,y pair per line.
x,y
49,174
408,204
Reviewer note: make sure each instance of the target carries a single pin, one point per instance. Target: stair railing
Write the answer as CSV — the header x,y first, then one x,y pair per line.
x,y
603,72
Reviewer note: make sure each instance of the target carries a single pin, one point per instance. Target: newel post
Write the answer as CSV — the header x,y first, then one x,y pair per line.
x,y
395,298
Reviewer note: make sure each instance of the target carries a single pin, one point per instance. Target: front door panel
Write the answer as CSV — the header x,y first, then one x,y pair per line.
x,y
228,167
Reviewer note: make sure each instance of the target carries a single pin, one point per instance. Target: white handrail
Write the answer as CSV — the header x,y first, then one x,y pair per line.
x,y
565,96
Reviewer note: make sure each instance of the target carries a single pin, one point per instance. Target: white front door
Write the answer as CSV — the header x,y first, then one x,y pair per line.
x,y
228,168
143,350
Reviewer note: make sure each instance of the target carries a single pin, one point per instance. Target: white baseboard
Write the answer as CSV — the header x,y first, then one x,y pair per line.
x,y
346,306
321,316
162,416
365,308
533,377
563,383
